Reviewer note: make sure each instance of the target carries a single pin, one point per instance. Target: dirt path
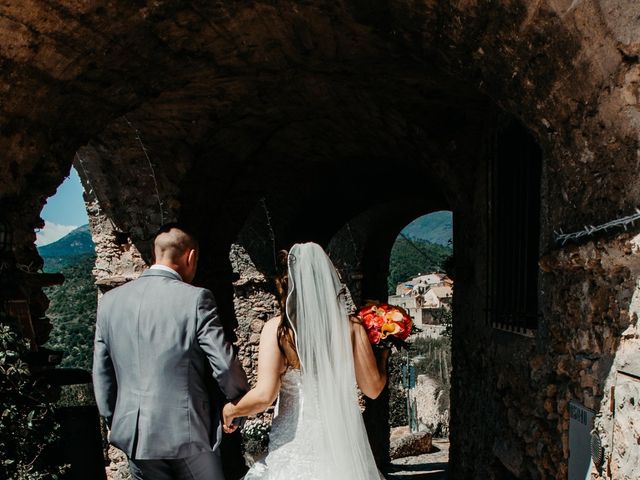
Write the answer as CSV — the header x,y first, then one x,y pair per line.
x,y
431,466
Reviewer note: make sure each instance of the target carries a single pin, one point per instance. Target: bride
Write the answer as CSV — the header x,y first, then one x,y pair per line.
x,y
311,358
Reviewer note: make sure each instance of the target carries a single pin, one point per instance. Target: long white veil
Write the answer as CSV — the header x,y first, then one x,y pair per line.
x,y
316,309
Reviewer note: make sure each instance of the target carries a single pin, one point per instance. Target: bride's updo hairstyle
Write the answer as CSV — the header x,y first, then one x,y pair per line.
x,y
286,341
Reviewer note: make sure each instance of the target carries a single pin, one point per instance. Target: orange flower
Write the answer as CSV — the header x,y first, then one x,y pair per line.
x,y
390,328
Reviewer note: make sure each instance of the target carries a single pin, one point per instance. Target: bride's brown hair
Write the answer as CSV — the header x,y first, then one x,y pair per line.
x,y
286,341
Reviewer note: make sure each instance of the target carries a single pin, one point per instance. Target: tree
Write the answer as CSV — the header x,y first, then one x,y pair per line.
x,y
72,309
410,256
444,316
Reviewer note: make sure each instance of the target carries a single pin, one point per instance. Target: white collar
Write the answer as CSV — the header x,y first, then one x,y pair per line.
x,y
157,266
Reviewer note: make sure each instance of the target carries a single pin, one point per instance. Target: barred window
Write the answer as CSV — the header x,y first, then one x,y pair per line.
x,y
514,231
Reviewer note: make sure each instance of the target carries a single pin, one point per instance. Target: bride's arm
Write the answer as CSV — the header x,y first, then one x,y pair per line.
x,y
271,364
371,369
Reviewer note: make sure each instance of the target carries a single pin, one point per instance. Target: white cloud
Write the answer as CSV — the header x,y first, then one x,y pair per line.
x,y
52,232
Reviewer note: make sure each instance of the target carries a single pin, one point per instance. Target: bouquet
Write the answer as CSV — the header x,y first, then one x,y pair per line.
x,y
386,325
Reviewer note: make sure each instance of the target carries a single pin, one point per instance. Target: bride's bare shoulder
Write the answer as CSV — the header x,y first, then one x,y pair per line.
x,y
271,325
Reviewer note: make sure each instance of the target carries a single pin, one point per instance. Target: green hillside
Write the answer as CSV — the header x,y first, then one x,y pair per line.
x,y
73,304
435,227
410,257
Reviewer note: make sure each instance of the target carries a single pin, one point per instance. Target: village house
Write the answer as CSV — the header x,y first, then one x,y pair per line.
x,y
422,295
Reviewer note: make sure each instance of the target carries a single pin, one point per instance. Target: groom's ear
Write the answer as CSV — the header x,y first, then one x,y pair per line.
x,y
193,256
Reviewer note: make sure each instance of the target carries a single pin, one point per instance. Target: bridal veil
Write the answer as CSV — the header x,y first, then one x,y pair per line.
x,y
316,309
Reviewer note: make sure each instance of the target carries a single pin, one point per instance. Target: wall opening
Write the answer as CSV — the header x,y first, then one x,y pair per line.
x,y
67,248
420,377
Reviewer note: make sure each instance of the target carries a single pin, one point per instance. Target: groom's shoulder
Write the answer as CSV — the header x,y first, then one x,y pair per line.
x,y
178,289
188,290
146,285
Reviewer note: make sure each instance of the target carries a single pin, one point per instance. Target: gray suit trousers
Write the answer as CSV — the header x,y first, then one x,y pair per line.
x,y
203,466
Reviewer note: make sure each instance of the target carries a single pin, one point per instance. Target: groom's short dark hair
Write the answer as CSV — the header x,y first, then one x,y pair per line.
x,y
180,242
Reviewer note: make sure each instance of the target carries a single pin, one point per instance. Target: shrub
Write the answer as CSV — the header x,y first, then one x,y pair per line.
x,y
397,393
27,424
255,435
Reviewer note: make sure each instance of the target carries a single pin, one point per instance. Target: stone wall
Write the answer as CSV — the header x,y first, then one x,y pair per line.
x,y
617,420
254,304
595,341
118,260
524,384
428,397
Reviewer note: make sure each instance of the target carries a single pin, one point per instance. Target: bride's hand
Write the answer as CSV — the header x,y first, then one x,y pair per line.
x,y
227,419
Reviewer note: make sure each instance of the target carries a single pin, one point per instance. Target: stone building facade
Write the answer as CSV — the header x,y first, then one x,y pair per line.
x,y
287,122
424,296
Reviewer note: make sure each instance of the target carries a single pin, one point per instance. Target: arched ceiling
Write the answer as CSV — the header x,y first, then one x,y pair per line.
x,y
278,90
318,145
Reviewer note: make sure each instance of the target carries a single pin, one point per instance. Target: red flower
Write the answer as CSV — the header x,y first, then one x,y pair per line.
x,y
406,331
374,336
370,309
373,321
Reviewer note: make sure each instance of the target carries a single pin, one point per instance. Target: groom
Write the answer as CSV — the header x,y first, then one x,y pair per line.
x,y
159,344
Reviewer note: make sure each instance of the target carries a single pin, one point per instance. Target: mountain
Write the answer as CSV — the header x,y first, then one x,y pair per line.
x,y
77,242
435,228
72,307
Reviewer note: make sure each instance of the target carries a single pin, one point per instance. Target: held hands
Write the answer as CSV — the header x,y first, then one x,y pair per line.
x,y
228,426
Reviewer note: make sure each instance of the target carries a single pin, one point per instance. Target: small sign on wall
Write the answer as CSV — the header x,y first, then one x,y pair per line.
x,y
580,426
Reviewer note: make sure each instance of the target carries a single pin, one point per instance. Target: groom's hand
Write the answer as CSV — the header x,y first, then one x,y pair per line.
x,y
228,426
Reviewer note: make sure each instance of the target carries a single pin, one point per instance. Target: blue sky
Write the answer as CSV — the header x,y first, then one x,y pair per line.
x,y
64,211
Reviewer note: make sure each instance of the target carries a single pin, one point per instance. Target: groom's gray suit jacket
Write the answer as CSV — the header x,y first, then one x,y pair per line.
x,y
155,340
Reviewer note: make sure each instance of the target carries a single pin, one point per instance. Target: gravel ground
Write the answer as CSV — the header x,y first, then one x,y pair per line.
x,y
430,466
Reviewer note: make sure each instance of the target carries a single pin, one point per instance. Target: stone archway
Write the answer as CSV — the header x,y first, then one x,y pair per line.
x,y
194,111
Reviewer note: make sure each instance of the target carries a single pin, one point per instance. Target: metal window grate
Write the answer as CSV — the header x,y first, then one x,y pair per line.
x,y
514,230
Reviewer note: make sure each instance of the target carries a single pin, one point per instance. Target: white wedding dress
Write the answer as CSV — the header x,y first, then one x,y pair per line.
x,y
317,432
291,453
294,439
